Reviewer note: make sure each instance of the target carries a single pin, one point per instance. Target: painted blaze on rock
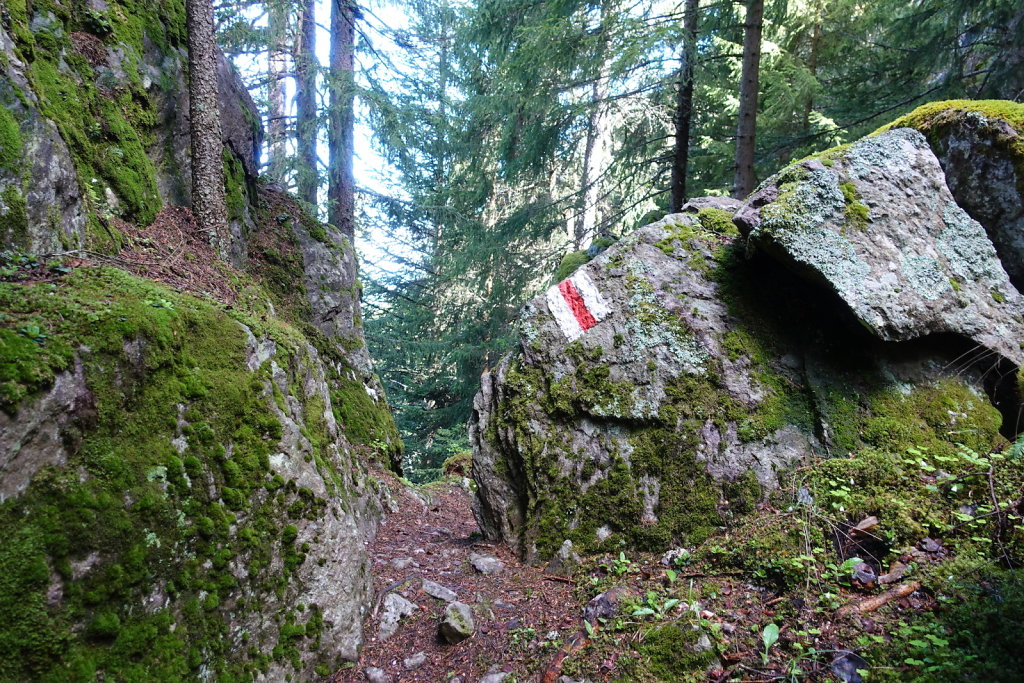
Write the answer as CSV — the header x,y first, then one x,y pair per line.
x,y
576,305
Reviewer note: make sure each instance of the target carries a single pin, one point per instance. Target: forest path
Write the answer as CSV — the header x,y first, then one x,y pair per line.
x,y
522,614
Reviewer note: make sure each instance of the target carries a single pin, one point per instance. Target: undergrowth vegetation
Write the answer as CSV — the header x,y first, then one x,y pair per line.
x,y
877,567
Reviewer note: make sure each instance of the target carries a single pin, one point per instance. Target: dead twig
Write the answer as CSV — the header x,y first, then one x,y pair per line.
x,y
871,604
563,579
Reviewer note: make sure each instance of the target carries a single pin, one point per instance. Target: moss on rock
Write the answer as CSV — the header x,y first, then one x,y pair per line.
x,y
168,492
11,143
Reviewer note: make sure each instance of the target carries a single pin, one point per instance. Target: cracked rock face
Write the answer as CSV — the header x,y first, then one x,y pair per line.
x,y
878,225
53,212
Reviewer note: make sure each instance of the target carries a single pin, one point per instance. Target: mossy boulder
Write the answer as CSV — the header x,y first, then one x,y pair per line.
x,y
660,392
632,431
980,145
876,224
178,494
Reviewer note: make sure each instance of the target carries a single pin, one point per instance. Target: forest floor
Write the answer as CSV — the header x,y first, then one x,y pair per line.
x,y
643,617
519,610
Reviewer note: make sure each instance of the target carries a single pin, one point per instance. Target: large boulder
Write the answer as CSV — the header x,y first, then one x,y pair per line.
x,y
177,491
877,224
980,145
662,389
186,483
590,432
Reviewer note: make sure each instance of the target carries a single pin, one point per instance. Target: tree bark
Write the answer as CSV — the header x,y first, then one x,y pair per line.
x,y
341,185
208,204
743,182
684,106
593,158
277,70
307,67
812,67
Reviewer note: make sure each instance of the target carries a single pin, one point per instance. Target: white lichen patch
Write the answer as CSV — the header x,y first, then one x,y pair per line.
x,y
883,151
925,276
965,245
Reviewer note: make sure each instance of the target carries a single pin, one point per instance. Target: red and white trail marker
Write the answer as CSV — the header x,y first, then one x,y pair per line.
x,y
576,305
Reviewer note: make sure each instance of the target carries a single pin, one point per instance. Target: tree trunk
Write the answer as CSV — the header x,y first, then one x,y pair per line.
x,y
593,159
306,66
208,202
341,185
684,106
277,70
812,67
743,182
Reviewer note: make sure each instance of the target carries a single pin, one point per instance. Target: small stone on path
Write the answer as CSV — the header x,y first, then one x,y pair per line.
x,y
458,623
415,662
436,590
375,675
402,563
395,607
486,564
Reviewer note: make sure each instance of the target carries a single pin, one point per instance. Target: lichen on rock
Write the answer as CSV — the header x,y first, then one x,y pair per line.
x,y
895,271
980,146
862,308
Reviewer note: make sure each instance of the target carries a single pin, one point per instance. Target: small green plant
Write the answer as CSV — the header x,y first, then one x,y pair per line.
x,y
654,606
769,636
620,566
159,302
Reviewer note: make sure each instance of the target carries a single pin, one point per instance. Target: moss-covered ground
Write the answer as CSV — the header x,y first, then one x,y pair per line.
x,y
947,528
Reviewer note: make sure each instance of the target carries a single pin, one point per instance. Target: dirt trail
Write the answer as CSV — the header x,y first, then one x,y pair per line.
x,y
521,614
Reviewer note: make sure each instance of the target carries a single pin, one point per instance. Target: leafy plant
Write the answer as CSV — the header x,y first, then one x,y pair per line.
x,y
654,606
769,636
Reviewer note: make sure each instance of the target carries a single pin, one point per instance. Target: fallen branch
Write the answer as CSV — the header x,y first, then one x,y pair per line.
x,y
563,579
382,593
575,643
871,604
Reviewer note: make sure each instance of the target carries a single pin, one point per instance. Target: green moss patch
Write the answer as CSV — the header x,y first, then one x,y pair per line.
x,y
929,115
856,212
11,143
718,221
132,513
570,263
13,217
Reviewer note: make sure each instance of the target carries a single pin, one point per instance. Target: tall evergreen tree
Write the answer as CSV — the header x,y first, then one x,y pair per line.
x,y
341,118
746,127
684,105
306,129
277,72
208,202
